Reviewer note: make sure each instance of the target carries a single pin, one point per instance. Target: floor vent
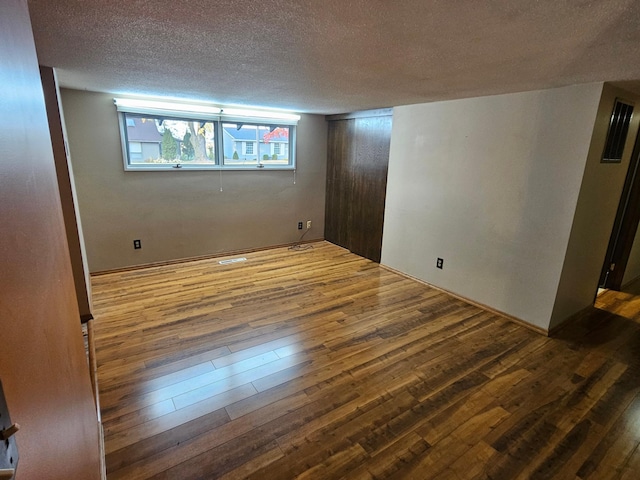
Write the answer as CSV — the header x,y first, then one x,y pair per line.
x,y
232,260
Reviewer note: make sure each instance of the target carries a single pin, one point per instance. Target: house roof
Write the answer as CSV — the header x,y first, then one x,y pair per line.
x,y
143,131
335,56
250,134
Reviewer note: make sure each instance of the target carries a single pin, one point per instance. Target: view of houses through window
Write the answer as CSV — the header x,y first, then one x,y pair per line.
x,y
163,142
154,140
251,144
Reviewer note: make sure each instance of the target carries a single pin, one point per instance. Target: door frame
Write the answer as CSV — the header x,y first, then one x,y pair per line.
x,y
624,226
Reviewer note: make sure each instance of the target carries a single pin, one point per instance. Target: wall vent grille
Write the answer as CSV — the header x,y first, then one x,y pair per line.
x,y
618,129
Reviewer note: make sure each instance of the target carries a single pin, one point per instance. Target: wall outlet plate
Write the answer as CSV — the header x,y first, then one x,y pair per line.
x,y
137,244
439,263
299,225
8,448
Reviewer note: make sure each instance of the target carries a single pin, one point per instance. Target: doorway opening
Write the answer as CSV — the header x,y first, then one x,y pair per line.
x,y
625,227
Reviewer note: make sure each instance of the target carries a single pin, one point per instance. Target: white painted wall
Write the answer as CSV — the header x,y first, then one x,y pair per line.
x,y
491,185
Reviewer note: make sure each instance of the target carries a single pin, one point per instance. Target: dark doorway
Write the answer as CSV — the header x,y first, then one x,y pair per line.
x,y
624,227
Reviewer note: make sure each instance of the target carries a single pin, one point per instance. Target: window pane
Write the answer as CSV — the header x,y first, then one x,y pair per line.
x,y
278,136
157,140
251,144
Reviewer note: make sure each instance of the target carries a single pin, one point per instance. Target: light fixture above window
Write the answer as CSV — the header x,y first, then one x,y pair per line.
x,y
133,105
258,114
157,107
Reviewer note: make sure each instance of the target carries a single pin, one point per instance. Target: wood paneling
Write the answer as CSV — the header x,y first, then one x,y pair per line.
x,y
358,158
43,365
322,364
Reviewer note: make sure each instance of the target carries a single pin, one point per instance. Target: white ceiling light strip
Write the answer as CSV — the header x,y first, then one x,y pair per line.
x,y
204,112
154,107
259,114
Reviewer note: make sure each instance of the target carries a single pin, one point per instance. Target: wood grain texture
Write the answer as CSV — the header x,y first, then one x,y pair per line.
x,y
357,163
43,364
321,364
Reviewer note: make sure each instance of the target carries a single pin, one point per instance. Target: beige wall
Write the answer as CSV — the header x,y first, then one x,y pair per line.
x,y
43,366
632,272
595,213
490,185
182,214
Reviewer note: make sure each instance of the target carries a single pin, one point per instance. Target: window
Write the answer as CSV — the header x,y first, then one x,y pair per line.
x,y
167,136
257,140
153,141
135,151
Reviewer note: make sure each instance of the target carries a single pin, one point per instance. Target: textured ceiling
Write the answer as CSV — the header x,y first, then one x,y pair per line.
x,y
335,56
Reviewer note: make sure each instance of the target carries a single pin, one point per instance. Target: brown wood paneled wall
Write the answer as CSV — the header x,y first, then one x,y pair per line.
x,y
357,163
43,365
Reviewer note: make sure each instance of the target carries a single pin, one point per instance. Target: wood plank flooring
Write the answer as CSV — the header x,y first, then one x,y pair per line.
x,y
320,364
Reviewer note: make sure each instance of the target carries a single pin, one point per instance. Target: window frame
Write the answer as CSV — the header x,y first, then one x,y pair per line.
x,y
257,145
129,166
217,115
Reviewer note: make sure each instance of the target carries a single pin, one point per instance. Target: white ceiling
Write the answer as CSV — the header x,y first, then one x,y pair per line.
x,y
334,56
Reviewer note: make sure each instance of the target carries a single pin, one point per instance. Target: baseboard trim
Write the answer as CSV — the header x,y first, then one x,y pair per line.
x,y
511,318
93,375
93,367
630,282
103,453
202,257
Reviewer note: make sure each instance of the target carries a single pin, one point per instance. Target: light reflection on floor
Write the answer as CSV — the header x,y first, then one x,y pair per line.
x,y
168,393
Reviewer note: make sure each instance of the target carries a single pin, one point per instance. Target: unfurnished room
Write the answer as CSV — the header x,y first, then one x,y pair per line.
x,y
319,240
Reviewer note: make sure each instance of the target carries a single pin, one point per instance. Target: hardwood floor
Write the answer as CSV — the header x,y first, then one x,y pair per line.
x,y
321,364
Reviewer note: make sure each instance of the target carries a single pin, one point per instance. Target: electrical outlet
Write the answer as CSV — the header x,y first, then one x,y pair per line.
x,y
308,224
439,263
137,244
299,225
